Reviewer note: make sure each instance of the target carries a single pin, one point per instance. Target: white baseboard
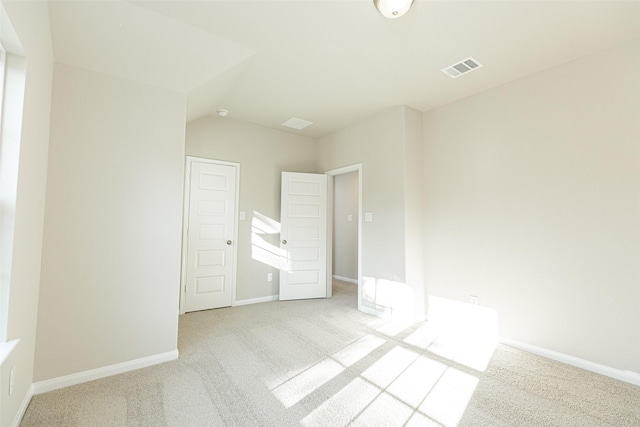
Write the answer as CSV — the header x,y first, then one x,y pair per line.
x,y
256,300
23,407
106,371
345,279
618,374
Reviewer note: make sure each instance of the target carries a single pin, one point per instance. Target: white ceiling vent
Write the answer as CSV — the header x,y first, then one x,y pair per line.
x,y
463,67
297,124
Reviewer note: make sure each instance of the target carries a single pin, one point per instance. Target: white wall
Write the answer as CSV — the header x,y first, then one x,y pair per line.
x,y
111,258
380,143
413,208
376,143
345,232
532,203
31,22
263,155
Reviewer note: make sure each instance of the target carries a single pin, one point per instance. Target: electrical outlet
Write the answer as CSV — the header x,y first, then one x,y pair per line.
x,y
474,299
12,375
270,277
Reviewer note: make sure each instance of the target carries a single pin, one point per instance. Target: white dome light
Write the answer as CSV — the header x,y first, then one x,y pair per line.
x,y
393,9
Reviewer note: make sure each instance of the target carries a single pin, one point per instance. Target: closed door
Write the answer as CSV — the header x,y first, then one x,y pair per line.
x,y
211,231
303,236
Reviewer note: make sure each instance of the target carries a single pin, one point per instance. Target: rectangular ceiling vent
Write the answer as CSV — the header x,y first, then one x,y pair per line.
x,y
463,67
297,124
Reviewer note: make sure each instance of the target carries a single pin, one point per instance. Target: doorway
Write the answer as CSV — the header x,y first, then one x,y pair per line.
x,y
346,226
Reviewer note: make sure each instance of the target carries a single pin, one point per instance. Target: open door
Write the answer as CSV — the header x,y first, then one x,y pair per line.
x,y
303,236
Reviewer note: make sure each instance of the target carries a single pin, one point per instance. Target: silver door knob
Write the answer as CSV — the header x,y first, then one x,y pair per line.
x,y
229,242
284,242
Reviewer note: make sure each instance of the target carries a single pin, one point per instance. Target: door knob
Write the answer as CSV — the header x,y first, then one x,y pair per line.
x,y
229,242
284,242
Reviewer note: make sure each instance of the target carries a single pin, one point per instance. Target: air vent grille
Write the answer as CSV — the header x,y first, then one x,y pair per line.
x,y
296,123
463,67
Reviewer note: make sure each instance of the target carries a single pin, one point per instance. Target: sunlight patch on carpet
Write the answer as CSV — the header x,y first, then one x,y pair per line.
x,y
415,383
460,332
395,327
389,367
346,357
450,397
421,420
343,406
385,410
300,386
357,350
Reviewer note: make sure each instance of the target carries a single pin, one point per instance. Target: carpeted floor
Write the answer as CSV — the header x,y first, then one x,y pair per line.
x,y
323,363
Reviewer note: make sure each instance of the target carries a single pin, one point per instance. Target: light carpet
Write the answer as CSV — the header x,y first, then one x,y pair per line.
x,y
323,363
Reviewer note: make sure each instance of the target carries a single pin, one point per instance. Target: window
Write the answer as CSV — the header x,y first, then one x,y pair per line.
x,y
13,66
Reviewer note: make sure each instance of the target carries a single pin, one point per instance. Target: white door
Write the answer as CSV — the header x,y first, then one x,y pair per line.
x,y
303,236
211,231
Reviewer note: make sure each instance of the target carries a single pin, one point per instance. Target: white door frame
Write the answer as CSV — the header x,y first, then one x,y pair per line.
x,y
353,168
185,226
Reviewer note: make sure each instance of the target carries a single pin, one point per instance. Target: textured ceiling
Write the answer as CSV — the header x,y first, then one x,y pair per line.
x,y
330,62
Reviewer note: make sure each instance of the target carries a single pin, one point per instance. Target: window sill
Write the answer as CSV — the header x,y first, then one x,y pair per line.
x,y
6,348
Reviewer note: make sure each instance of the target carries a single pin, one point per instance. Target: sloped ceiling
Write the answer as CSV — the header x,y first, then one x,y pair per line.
x,y
330,62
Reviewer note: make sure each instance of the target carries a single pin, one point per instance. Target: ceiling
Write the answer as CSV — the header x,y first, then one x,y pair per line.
x,y
332,62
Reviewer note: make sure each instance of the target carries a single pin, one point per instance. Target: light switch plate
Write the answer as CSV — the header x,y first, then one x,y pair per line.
x,y
368,217
242,216
349,217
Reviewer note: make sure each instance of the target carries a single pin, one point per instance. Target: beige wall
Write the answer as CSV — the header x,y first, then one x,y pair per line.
x,y
31,22
111,257
263,155
381,144
532,203
413,208
377,144
345,232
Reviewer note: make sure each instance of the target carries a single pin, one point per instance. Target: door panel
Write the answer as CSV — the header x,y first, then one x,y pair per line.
x,y
210,235
303,236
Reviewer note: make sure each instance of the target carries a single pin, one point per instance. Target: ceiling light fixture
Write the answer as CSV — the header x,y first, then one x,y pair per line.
x,y
223,113
393,9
